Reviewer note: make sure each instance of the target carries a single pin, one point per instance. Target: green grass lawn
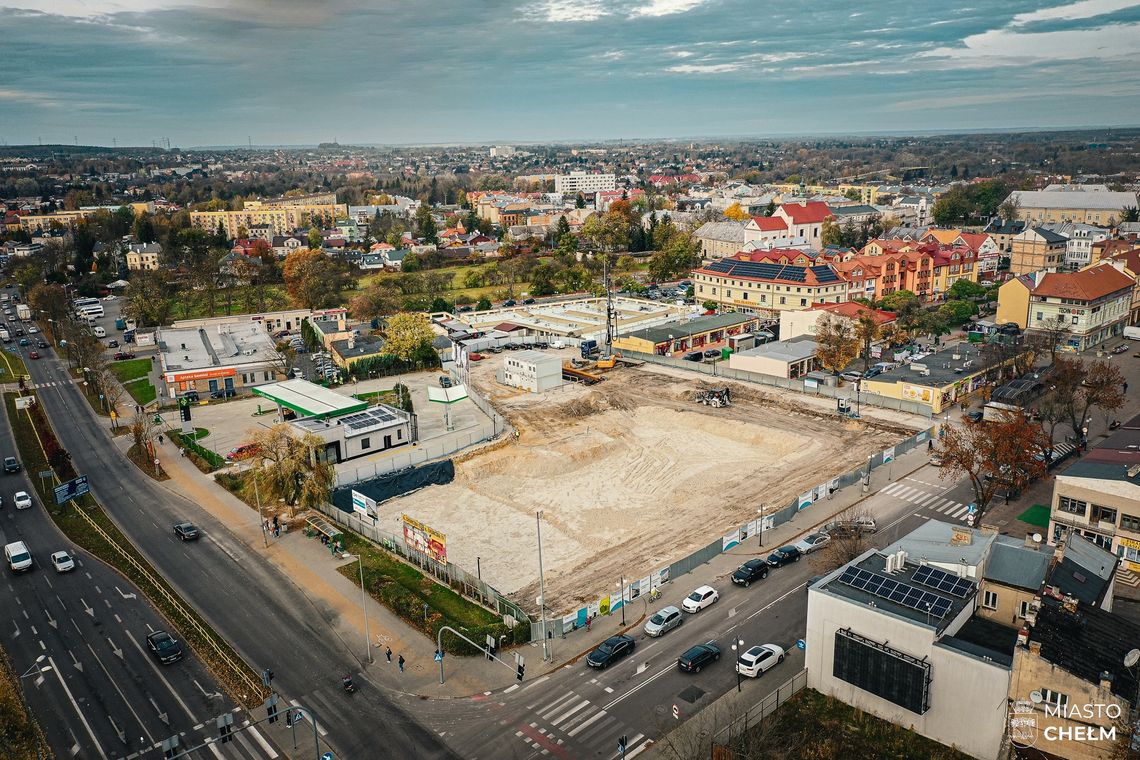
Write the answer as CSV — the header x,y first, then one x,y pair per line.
x,y
141,391
132,369
13,367
189,304
1037,515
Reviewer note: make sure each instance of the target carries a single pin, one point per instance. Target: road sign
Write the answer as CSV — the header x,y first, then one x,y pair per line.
x,y
971,509
327,756
438,656
801,644
72,489
676,712
46,473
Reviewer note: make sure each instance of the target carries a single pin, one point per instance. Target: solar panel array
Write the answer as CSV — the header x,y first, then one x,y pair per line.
x,y
936,578
371,418
896,591
767,270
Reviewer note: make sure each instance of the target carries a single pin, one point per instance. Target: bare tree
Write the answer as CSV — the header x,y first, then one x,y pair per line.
x,y
1050,333
848,540
867,331
836,344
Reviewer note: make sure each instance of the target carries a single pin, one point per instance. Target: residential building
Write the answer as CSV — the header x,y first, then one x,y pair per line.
x,y
856,213
271,321
950,265
748,283
1012,579
720,239
1094,304
534,371
1085,204
914,210
300,201
584,182
1128,262
355,348
686,334
59,220
283,219
603,199
796,323
283,245
1079,241
790,359
876,276
1104,249
805,220
142,256
1036,248
226,358
762,229
1003,231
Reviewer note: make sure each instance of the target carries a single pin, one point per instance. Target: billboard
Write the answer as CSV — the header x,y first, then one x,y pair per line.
x,y
424,540
72,489
363,506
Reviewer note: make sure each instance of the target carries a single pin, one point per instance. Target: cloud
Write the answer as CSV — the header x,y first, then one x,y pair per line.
x,y
562,11
658,8
705,68
1007,47
23,96
1074,11
612,55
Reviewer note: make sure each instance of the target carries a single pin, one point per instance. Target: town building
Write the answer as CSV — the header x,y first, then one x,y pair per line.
x,y
1128,262
1036,248
1079,240
584,182
803,322
720,239
282,217
938,379
1094,304
1012,579
533,371
687,334
789,359
1085,204
142,256
222,359
354,349
1003,231
749,283
288,320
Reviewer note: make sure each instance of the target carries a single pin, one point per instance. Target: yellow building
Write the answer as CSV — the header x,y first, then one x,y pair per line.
x,y
282,219
1013,300
940,379
33,223
1036,248
1086,204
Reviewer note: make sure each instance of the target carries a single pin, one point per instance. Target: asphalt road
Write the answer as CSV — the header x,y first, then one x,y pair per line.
x,y
579,712
265,616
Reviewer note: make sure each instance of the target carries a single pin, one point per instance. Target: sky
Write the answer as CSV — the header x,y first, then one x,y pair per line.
x,y
221,72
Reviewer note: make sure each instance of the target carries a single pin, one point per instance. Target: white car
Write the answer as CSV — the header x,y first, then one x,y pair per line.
x,y
699,599
23,500
63,562
33,330
753,662
109,298
810,543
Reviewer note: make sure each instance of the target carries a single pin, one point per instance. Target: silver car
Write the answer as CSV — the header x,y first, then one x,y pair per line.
x,y
663,621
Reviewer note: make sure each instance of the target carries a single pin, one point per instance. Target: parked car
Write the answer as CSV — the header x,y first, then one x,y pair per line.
x,y
509,303
752,570
783,556
693,356
188,395
186,531
475,357
700,598
975,416
610,651
245,451
852,377
164,646
223,393
1121,348
663,621
22,500
753,661
444,381
698,657
872,372
11,464
124,355
855,526
528,301
811,542
62,562
112,343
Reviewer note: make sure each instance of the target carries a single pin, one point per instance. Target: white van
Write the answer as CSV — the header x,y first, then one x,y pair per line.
x,y
100,332
18,557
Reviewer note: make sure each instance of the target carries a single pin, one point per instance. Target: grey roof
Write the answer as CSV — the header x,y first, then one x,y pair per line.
x,y
793,350
856,210
931,541
1011,563
1049,236
999,226
1085,570
1076,197
732,232
363,345
943,367
535,357
661,333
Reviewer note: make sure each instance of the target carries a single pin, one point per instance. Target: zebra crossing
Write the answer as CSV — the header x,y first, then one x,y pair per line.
x,y
572,721
922,499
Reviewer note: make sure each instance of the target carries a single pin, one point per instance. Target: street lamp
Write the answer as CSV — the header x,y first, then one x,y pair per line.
x,y
364,607
761,521
621,596
738,643
35,668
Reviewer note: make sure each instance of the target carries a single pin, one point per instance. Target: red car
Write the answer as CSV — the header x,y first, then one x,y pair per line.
x,y
123,355
34,355
244,451
475,357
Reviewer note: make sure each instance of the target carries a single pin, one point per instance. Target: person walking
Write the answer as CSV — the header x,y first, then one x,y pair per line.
x,y
401,663
1126,386
388,654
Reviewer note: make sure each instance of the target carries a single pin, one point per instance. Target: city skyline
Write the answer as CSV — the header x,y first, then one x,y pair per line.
x,y
205,72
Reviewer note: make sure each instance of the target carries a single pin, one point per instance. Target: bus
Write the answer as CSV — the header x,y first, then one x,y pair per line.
x,y
91,310
79,303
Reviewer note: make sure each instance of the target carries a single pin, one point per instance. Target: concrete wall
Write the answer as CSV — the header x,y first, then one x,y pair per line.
x,y
967,695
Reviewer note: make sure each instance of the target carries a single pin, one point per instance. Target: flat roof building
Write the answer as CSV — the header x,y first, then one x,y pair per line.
x,y
686,334
309,399
784,358
575,318
223,358
371,430
532,370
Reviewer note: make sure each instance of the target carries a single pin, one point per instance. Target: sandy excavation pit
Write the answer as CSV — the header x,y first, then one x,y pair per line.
x,y
630,475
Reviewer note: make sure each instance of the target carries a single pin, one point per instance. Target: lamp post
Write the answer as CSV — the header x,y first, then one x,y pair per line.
x,y
35,669
621,596
738,643
364,607
547,644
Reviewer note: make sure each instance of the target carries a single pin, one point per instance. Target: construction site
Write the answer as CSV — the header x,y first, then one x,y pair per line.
x,y
633,466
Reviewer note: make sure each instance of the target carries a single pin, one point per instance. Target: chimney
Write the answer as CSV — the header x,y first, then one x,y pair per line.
x,y
1105,684
1030,542
341,324
1035,648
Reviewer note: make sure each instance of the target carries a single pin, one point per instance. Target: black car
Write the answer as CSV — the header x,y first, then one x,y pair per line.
x,y
444,381
509,303
975,416
783,556
189,396
698,657
693,356
223,393
41,344
610,651
752,570
528,301
164,646
11,464
186,531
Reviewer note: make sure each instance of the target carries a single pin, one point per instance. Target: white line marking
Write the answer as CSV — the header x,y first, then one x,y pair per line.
x,y
557,721
78,712
957,513
509,689
638,750
320,729
558,704
609,690
591,720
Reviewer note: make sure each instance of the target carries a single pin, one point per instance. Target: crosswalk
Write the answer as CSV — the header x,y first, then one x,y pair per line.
x,y
248,743
571,721
924,499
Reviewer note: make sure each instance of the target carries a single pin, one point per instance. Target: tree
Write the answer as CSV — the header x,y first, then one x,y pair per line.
x,y
140,428
580,201
963,289
542,280
405,333
287,467
836,344
563,228
709,305
1050,333
425,224
375,302
678,255
958,312
770,208
736,213
315,239
1010,209
148,300
1130,214
50,300
845,545
993,455
1101,388
483,305
313,280
867,331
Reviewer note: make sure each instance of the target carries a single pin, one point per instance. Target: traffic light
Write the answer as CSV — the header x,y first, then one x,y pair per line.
x,y
520,663
226,728
271,708
170,747
266,677
291,717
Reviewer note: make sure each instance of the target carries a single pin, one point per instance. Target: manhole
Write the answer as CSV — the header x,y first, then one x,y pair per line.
x,y
691,694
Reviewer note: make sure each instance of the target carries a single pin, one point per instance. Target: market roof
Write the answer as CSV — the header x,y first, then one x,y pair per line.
x,y
309,399
696,326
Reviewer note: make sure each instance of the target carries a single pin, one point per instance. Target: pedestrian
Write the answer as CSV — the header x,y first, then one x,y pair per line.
x,y
401,663
589,621
1126,386
388,654
160,439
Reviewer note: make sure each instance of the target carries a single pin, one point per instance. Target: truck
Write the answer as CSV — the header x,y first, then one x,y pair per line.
x,y
589,348
1132,333
23,311
4,335
120,324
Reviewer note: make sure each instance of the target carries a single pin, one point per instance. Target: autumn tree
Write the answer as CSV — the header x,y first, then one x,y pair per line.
x,y
867,331
677,256
736,213
835,341
50,300
1101,387
148,299
313,280
290,468
994,454
375,302
406,335
847,542
1049,334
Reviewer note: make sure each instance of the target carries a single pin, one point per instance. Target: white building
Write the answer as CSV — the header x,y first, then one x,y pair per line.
x,y
221,359
584,182
532,370
885,635
1080,237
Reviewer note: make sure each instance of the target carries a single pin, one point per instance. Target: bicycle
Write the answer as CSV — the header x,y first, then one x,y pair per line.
x,y
655,594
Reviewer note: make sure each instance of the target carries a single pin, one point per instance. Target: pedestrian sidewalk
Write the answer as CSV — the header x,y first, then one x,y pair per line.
x,y
310,566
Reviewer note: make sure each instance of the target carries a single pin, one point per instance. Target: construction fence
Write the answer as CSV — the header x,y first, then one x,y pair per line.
x,y
755,714
774,516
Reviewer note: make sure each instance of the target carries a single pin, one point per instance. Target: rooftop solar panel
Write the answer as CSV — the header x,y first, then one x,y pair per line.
x,y
896,591
936,578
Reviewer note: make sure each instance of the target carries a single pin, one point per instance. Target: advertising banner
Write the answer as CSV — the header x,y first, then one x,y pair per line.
x,y
425,540
729,541
364,506
805,500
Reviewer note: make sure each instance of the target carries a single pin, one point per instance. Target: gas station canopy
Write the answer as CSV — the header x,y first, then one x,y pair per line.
x,y
309,399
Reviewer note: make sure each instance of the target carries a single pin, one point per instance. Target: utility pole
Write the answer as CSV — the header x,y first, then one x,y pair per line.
x,y
547,653
609,303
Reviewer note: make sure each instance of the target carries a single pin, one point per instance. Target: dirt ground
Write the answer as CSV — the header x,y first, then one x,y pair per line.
x,y
631,475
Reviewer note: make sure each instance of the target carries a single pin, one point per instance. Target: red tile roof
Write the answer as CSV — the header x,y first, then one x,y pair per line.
x,y
770,223
853,310
1087,285
810,212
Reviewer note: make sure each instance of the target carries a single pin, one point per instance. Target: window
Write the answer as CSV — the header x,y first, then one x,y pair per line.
x,y
1050,697
803,302
1072,506
399,434
990,600
365,443
1076,320
1040,316
1023,609
1130,522
783,300
1105,514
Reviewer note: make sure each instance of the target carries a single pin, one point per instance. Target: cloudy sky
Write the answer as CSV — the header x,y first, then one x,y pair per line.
x,y
214,72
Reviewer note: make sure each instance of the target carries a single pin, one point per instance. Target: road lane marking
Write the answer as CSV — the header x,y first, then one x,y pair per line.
x,y
82,717
599,716
558,704
320,729
558,721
